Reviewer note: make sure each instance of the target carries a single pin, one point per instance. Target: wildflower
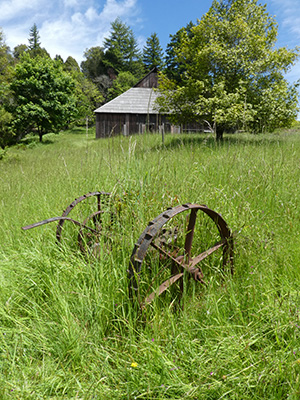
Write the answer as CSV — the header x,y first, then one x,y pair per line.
x,y
134,364
152,339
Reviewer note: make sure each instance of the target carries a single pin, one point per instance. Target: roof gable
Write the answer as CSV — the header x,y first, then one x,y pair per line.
x,y
136,100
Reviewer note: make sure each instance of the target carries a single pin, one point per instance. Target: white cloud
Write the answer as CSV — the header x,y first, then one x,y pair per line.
x,y
114,9
73,34
66,27
71,3
11,9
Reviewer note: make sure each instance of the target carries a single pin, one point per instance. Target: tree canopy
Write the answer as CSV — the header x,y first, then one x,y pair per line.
x,y
121,50
44,98
233,73
153,53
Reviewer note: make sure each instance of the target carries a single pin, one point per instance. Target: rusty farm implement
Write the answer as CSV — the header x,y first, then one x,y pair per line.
x,y
173,245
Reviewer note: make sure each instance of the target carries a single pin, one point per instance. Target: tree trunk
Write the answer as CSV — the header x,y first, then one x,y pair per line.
x,y
219,134
40,132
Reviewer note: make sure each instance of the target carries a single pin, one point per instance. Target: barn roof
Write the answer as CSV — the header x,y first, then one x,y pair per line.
x,y
136,100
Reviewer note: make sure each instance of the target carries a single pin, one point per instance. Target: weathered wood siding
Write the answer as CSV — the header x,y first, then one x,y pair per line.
x,y
128,124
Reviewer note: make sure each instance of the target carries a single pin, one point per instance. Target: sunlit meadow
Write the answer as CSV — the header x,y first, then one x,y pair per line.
x,y
68,327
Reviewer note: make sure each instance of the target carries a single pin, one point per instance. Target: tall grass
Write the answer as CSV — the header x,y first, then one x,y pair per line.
x,y
68,328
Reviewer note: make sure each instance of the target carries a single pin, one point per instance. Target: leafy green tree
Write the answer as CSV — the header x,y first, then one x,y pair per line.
x,y
19,50
234,75
71,65
6,134
44,96
153,53
121,50
124,81
93,66
88,96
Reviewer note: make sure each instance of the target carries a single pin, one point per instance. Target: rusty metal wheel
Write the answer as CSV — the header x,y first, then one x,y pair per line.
x,y
95,223
85,206
176,242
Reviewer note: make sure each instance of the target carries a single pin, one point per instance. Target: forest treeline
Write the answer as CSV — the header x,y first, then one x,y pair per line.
x,y
224,70
40,94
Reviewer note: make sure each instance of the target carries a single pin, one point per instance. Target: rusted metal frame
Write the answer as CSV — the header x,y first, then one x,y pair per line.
x,y
162,288
96,232
189,267
155,225
73,204
190,233
47,221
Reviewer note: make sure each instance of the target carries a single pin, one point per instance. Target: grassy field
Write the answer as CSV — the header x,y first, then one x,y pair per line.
x,y
68,327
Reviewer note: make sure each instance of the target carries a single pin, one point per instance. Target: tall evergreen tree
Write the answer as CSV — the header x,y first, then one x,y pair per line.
x,y
34,47
174,66
34,40
152,53
121,50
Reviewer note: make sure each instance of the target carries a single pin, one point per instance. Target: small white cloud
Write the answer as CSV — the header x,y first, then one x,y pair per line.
x,y
114,9
71,3
11,9
91,14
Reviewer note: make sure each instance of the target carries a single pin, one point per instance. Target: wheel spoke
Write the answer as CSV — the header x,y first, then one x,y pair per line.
x,y
190,232
206,253
176,260
162,288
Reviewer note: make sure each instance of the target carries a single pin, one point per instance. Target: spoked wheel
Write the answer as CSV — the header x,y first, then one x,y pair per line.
x,y
95,224
83,209
96,232
176,242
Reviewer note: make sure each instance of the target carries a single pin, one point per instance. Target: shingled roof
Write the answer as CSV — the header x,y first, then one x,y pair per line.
x,y
136,100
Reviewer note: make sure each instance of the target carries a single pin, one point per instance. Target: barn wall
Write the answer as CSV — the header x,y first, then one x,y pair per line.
x,y
128,124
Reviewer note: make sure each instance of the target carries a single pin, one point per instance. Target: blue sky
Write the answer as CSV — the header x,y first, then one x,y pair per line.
x,y
69,27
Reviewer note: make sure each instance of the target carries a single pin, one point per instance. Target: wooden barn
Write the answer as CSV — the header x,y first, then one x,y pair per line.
x,y
133,111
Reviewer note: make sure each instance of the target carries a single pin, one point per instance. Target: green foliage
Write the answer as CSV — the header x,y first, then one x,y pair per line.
x,y
6,135
34,47
233,72
93,66
44,98
121,50
88,97
123,82
71,65
152,53
19,50
34,39
174,67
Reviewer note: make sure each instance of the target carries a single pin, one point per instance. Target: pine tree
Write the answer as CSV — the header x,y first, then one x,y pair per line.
x,y
121,50
34,43
152,53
